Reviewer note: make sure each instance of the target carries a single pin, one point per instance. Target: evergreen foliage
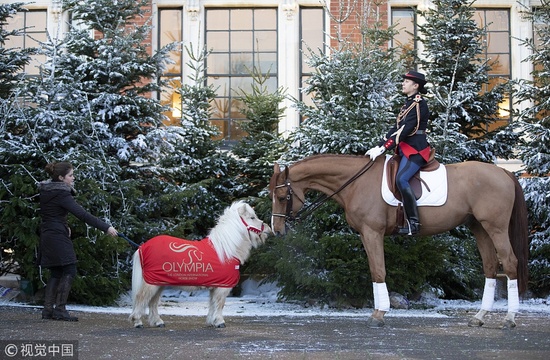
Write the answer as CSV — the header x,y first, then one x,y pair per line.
x,y
12,60
534,120
463,106
355,94
91,105
262,146
354,91
17,189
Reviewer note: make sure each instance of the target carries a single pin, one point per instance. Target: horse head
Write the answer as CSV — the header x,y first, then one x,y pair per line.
x,y
286,199
258,231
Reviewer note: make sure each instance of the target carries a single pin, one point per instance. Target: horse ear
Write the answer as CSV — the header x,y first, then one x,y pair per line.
x,y
244,209
276,168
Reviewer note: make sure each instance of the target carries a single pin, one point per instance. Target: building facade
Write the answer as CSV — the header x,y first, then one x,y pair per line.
x,y
274,37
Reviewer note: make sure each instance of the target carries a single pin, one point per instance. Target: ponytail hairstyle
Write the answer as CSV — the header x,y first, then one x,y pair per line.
x,y
58,169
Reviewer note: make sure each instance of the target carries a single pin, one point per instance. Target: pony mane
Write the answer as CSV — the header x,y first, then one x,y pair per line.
x,y
229,234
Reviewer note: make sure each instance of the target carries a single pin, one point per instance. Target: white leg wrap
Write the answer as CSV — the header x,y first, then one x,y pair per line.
x,y
375,294
488,294
513,296
383,297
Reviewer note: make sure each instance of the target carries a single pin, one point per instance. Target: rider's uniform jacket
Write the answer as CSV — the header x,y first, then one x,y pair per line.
x,y
409,131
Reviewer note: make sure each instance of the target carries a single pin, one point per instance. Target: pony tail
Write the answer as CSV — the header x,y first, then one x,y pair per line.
x,y
518,231
137,275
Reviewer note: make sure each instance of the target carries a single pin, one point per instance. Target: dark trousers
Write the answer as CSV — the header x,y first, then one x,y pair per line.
x,y
407,169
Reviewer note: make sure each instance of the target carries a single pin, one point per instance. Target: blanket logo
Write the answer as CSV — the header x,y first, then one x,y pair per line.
x,y
167,260
191,261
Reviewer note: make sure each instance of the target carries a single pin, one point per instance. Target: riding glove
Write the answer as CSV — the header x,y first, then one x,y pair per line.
x,y
375,152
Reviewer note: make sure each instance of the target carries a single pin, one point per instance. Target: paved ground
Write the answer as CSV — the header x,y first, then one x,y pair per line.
x,y
110,336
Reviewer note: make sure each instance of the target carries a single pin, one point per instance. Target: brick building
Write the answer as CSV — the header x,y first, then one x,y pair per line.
x,y
271,34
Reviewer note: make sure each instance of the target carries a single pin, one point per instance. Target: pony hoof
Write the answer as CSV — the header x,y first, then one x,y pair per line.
x,y
475,322
220,326
161,325
375,323
508,324
138,326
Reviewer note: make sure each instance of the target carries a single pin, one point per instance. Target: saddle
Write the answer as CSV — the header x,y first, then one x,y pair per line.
x,y
416,182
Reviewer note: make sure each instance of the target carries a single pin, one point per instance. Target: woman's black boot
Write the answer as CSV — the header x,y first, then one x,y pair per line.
x,y
60,312
50,295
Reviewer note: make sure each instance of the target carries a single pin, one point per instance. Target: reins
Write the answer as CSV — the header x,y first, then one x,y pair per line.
x,y
309,209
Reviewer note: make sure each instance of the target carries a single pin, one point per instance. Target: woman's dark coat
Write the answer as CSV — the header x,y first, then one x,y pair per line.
x,y
56,201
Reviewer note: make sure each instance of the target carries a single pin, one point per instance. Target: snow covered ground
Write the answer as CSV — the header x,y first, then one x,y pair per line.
x,y
261,300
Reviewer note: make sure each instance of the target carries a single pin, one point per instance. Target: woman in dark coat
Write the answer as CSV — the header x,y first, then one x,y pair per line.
x,y
56,248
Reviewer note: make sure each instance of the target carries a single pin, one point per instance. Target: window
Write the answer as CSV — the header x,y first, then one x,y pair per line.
x,y
170,30
404,21
497,52
312,36
32,25
241,39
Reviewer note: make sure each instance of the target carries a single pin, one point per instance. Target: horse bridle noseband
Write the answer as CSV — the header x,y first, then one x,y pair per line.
x,y
252,228
307,210
288,216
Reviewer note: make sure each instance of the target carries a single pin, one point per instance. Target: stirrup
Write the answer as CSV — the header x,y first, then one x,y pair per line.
x,y
408,229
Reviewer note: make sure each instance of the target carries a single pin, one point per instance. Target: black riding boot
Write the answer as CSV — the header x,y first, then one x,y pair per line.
x,y
60,312
50,295
411,211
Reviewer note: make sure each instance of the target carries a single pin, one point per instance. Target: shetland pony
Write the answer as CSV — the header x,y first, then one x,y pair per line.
x,y
188,264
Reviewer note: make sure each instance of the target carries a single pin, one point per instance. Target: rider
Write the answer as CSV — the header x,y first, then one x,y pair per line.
x,y
409,135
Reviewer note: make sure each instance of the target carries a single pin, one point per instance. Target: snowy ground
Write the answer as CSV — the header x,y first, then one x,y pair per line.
x,y
262,301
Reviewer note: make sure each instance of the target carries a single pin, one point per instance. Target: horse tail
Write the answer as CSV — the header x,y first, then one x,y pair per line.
x,y
137,275
518,231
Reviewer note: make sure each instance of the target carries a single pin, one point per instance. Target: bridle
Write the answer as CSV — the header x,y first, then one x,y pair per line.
x,y
288,216
252,228
307,210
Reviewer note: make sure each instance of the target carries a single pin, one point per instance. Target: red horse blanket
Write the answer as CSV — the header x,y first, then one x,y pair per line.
x,y
167,260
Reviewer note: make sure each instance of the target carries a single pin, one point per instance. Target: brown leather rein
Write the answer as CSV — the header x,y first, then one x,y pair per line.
x,y
307,210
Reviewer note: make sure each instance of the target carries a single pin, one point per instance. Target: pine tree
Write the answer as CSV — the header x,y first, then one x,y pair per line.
x,y
16,194
196,157
262,146
191,158
461,109
534,121
90,106
355,95
12,61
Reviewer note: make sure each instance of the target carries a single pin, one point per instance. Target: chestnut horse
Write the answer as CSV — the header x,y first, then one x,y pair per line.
x,y
486,198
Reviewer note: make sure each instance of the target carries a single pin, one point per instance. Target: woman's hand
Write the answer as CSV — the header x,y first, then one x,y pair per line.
x,y
112,231
375,152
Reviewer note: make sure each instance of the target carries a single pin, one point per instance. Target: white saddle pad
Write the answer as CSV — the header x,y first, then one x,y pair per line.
x,y
436,182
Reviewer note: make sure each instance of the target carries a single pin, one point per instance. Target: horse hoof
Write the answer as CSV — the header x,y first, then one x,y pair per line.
x,y
475,322
161,325
220,326
375,323
508,324
138,326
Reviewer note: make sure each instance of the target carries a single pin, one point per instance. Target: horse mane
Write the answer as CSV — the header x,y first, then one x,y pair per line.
x,y
272,181
229,234
320,156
